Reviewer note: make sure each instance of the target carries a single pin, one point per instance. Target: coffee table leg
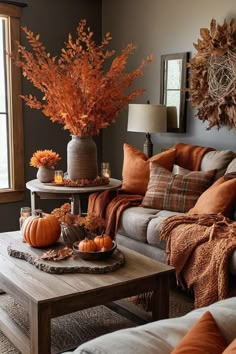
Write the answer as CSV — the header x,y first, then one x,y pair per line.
x,y
40,329
160,301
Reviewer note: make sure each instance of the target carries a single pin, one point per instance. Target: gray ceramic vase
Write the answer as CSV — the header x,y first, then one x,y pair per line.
x,y
82,158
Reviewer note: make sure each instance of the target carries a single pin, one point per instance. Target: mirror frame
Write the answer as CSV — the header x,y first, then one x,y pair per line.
x,y
183,94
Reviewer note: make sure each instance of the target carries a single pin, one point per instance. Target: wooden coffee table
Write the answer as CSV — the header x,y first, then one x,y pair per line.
x,y
46,296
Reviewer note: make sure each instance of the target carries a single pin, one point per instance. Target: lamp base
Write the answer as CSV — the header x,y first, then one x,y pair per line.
x,y
148,146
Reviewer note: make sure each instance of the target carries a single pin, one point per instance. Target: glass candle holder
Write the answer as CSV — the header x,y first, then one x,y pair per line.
x,y
105,169
58,177
25,212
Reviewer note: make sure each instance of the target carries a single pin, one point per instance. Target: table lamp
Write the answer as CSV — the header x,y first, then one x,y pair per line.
x,y
147,118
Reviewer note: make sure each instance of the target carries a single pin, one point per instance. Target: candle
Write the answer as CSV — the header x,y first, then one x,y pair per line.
x,y
105,169
106,173
58,177
25,212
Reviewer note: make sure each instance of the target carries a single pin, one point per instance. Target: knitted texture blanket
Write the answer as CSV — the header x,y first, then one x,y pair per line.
x,y
199,247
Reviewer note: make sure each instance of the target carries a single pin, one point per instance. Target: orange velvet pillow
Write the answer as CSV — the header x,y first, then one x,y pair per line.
x,y
204,337
219,198
136,170
231,349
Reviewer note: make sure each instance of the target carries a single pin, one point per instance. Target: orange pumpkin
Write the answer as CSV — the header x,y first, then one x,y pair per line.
x,y
87,245
41,230
103,242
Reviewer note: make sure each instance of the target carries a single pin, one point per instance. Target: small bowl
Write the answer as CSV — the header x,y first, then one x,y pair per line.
x,y
94,256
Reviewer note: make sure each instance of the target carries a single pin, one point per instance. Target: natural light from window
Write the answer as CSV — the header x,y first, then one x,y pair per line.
x,y
4,150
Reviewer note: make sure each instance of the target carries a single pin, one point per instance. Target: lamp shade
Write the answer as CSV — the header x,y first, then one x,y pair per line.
x,y
147,118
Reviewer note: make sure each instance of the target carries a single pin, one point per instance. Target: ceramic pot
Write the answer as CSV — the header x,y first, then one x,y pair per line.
x,y
72,233
45,175
82,158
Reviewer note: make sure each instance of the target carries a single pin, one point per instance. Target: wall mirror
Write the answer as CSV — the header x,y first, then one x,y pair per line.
x,y
173,81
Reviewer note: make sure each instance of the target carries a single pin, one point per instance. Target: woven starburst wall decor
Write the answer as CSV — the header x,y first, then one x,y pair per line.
x,y
213,75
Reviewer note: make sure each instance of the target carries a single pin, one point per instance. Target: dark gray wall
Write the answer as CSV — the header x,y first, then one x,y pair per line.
x,y
160,27
53,19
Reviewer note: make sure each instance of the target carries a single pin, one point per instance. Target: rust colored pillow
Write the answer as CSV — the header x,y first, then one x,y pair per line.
x,y
231,349
167,191
136,168
204,337
219,198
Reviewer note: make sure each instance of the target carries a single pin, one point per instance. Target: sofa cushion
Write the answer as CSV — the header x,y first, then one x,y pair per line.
x,y
219,198
134,222
178,170
231,167
154,228
231,349
218,159
175,192
160,337
136,168
204,337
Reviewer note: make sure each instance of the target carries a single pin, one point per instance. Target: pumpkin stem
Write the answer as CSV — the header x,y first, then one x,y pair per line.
x,y
38,212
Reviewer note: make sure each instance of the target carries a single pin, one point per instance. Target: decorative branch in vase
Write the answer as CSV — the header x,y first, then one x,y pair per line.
x,y
78,92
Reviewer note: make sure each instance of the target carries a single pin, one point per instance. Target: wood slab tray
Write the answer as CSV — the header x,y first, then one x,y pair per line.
x,y
72,264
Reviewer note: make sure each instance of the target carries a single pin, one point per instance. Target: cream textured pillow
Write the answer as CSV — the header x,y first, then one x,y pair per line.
x,y
175,192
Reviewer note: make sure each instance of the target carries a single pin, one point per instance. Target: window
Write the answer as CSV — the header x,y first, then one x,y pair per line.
x,y
11,121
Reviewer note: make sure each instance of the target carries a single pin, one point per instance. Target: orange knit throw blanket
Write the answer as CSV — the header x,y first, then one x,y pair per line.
x,y
190,156
110,205
199,247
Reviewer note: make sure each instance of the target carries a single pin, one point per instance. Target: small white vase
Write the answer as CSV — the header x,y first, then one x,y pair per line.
x,y
45,175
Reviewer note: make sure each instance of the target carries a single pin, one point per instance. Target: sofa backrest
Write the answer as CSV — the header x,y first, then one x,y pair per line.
x,y
221,160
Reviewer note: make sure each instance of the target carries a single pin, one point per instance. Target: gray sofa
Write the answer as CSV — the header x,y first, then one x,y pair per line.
x,y
140,227
160,337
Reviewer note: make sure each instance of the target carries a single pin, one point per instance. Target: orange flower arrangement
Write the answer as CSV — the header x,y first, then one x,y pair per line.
x,y
90,223
64,216
77,92
44,158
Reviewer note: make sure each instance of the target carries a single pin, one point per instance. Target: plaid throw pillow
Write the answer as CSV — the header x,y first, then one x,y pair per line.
x,y
167,191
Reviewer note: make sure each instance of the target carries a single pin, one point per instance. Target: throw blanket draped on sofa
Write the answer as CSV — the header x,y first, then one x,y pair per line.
x,y
199,247
110,205
190,156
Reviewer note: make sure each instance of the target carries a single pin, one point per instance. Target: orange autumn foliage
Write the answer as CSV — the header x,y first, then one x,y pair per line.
x,y
44,158
77,90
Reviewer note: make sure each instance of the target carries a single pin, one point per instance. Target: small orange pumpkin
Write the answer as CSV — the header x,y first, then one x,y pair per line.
x,y
41,230
87,245
103,242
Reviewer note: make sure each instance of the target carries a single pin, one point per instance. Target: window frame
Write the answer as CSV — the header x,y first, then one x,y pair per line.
x,y
16,136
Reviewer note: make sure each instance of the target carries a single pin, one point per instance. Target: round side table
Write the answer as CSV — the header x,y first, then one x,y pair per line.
x,y
48,191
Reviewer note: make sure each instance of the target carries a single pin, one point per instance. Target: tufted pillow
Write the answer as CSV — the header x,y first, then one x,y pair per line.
x,y
136,168
204,337
219,198
175,192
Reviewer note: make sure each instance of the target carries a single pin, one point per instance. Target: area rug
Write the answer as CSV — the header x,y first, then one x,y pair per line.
x,y
71,330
